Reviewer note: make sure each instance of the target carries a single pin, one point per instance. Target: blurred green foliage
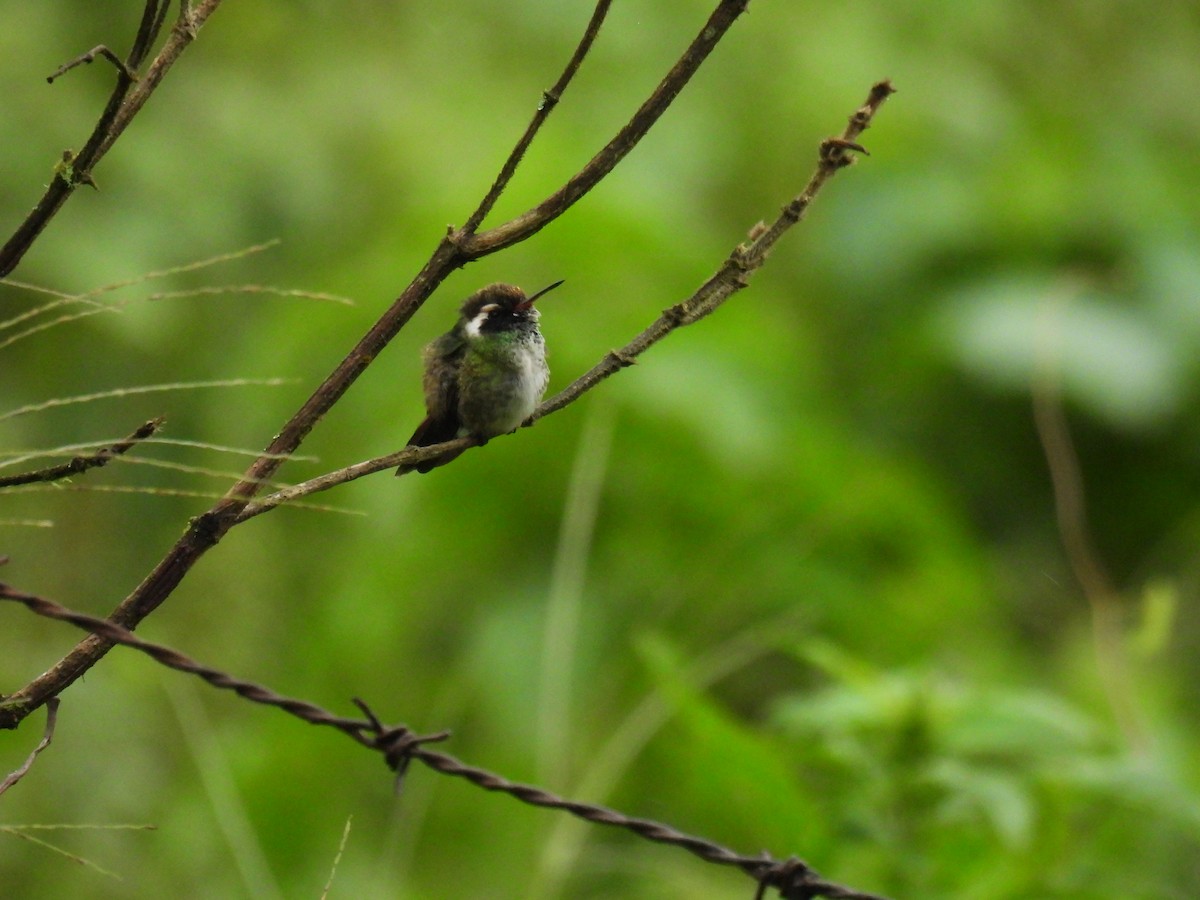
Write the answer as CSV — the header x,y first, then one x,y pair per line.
x,y
821,606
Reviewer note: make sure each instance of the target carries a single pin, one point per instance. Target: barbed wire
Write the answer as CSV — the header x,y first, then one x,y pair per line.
x,y
399,745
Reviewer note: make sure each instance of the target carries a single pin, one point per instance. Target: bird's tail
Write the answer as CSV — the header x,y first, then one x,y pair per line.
x,y
431,431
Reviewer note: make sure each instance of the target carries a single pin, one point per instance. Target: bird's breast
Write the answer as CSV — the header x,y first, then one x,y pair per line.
x,y
501,384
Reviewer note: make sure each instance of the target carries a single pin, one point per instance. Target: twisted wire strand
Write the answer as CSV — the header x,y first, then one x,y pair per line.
x,y
399,745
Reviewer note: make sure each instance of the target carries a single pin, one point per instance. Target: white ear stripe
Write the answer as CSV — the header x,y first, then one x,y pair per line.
x,y
476,324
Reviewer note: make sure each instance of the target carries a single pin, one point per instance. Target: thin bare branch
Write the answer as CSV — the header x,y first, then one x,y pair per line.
x,y
405,457
192,17
735,273
82,463
90,57
550,99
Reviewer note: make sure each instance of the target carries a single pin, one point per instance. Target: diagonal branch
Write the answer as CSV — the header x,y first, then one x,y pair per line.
x,y
550,100
83,462
735,273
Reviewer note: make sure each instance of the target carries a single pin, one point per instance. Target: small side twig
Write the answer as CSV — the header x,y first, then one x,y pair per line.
x,y
47,736
90,57
154,14
399,745
84,462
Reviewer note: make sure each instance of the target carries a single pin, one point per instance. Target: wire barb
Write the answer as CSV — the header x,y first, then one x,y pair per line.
x,y
796,880
397,743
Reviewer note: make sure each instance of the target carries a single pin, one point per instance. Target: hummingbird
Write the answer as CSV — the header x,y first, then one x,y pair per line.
x,y
487,374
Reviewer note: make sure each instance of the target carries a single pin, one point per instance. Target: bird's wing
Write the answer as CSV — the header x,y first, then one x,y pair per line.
x,y
441,390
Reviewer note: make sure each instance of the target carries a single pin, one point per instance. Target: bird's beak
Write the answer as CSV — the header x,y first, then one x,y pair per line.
x,y
528,303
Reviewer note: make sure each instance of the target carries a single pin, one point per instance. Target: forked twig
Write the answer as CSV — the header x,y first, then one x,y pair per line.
x,y
530,222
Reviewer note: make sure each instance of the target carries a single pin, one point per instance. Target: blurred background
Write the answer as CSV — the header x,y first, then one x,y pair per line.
x,y
795,582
